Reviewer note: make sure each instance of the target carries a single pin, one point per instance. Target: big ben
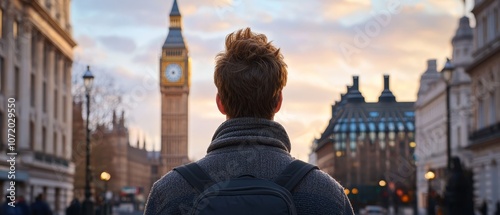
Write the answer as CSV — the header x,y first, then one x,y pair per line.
x,y
174,88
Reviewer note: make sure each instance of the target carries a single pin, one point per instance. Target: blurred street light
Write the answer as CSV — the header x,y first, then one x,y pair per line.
x,y
430,175
105,176
382,183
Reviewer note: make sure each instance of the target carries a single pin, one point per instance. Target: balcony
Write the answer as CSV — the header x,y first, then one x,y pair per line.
x,y
485,135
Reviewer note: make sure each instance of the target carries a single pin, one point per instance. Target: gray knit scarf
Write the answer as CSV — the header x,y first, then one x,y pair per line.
x,y
237,131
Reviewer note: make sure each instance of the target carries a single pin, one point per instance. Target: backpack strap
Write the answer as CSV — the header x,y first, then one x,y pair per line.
x,y
195,176
293,174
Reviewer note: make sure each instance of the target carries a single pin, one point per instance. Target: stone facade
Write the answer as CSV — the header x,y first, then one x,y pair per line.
x,y
36,52
485,75
430,116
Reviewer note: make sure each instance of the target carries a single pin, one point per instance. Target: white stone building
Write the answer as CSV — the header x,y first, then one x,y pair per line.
x,y
430,116
485,75
36,51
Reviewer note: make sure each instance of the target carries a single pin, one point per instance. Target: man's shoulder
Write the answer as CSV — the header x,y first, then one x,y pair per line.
x,y
168,192
172,184
321,183
319,193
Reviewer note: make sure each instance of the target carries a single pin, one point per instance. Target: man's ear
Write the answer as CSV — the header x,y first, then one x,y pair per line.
x,y
219,104
280,100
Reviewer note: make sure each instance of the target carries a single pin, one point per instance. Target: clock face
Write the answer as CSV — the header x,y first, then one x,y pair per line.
x,y
173,72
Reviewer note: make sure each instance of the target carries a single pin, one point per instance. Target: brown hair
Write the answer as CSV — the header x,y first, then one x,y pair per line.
x,y
249,75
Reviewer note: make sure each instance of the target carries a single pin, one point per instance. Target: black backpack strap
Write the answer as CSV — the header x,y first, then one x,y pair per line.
x,y
195,176
293,174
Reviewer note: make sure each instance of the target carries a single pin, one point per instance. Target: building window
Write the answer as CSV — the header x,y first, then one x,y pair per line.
x,y
54,141
2,141
381,139
459,137
17,82
64,145
1,23
64,108
33,48
65,75
44,139
32,135
492,108
55,104
497,22
45,59
480,112
56,69
2,74
15,29
44,97
32,90
485,30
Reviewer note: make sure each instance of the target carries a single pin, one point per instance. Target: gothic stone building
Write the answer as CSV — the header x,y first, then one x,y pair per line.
x,y
130,166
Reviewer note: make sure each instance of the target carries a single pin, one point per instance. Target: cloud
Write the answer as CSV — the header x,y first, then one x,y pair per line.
x,y
118,44
308,33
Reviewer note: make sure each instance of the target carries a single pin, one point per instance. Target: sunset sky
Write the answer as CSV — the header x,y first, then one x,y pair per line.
x,y
324,43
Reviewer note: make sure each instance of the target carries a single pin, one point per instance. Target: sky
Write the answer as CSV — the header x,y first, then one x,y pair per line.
x,y
324,42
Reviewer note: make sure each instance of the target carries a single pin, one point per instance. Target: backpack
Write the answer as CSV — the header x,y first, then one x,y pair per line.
x,y
245,194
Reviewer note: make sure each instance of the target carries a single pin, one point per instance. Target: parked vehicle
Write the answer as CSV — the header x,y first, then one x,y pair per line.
x,y
373,210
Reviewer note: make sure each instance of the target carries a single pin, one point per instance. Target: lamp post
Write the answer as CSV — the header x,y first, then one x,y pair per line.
x,y
105,176
430,175
384,201
88,205
447,75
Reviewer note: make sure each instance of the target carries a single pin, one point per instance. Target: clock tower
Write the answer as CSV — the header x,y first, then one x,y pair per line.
x,y
174,87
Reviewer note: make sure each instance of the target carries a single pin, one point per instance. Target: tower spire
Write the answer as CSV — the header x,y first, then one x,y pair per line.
x,y
138,138
465,7
175,9
174,37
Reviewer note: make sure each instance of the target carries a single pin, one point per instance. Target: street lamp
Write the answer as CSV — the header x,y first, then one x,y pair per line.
x,y
429,175
105,176
88,205
382,183
447,72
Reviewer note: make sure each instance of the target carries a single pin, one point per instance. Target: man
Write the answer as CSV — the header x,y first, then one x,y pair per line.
x,y
40,207
249,77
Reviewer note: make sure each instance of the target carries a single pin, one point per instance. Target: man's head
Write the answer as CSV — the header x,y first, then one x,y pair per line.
x,y
249,76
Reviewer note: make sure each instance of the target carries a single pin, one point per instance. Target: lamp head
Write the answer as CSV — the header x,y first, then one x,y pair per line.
x,y
430,175
105,176
88,79
447,71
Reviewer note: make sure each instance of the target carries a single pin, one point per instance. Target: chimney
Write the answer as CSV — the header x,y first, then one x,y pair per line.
x,y
386,95
355,83
353,94
386,82
431,66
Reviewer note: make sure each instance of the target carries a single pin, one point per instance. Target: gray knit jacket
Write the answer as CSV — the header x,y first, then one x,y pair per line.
x,y
249,146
